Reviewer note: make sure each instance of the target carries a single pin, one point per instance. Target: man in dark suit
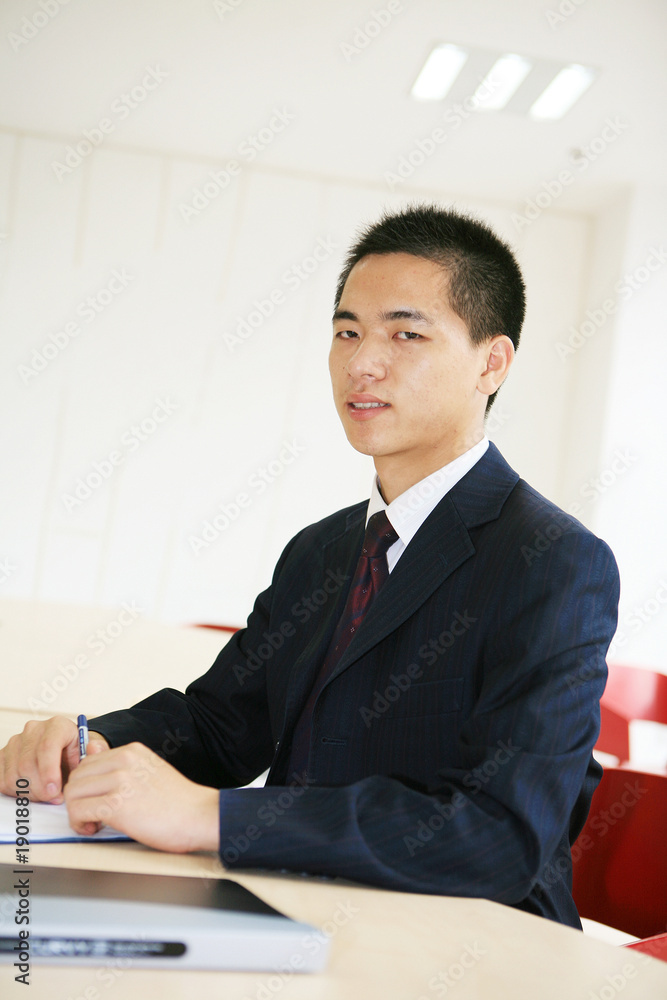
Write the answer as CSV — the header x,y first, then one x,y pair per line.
x,y
438,737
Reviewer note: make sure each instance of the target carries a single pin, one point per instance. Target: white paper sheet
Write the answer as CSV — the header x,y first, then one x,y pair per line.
x,y
48,824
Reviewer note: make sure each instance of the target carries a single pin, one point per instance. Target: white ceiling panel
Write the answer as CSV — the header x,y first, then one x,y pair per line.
x,y
206,79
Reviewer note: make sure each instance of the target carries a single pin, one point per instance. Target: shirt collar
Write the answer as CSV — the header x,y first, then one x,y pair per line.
x,y
408,511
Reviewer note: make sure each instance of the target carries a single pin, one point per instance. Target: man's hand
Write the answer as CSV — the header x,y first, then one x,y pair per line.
x,y
136,792
46,753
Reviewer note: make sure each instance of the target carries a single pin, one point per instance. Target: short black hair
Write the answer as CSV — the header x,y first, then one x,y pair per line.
x,y
484,283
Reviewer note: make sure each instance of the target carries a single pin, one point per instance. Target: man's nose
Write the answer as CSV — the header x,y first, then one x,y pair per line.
x,y
369,360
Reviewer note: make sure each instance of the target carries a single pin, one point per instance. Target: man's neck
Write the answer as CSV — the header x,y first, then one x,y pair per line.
x,y
396,476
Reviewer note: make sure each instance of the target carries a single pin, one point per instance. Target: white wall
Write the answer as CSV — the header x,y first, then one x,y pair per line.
x,y
166,337
631,509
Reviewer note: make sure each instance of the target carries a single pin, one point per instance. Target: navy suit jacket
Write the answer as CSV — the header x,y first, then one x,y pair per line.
x,y
450,749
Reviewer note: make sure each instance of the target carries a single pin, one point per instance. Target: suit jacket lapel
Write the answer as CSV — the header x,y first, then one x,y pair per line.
x,y
442,543
339,554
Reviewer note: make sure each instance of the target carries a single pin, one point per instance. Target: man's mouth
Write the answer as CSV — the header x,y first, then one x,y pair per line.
x,y
367,406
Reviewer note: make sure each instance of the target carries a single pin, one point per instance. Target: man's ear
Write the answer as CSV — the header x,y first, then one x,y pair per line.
x,y
498,357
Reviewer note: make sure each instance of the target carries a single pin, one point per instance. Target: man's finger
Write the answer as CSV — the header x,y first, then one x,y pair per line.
x,y
85,816
50,754
36,754
96,744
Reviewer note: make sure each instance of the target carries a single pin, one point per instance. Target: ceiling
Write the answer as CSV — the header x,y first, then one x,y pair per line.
x,y
227,64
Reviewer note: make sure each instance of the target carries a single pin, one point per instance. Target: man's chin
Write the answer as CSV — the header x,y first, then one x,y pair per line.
x,y
363,443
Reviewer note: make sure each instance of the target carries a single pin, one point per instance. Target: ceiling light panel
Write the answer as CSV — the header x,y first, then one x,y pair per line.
x,y
564,90
439,72
493,81
502,82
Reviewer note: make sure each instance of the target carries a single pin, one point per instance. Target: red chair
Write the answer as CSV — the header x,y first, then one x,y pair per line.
x,y
619,861
220,628
655,946
631,693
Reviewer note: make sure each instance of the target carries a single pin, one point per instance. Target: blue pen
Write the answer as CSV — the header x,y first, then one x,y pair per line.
x,y
82,723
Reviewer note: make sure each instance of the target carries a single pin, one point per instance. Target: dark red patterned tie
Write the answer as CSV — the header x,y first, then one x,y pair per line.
x,y
370,574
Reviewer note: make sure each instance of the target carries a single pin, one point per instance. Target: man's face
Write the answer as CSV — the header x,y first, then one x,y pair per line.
x,y
404,371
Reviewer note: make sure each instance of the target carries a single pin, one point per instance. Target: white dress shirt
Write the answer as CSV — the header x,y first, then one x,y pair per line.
x,y
408,511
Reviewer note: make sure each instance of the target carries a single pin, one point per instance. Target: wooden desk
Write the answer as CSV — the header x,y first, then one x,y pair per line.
x,y
65,659
384,945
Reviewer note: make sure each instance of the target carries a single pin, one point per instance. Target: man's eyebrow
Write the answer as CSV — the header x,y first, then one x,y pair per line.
x,y
387,316
413,314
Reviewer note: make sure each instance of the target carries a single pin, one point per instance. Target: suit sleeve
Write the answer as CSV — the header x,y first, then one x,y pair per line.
x,y
219,732
494,824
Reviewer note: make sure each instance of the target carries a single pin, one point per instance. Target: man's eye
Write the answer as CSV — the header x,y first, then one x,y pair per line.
x,y
346,334
408,335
